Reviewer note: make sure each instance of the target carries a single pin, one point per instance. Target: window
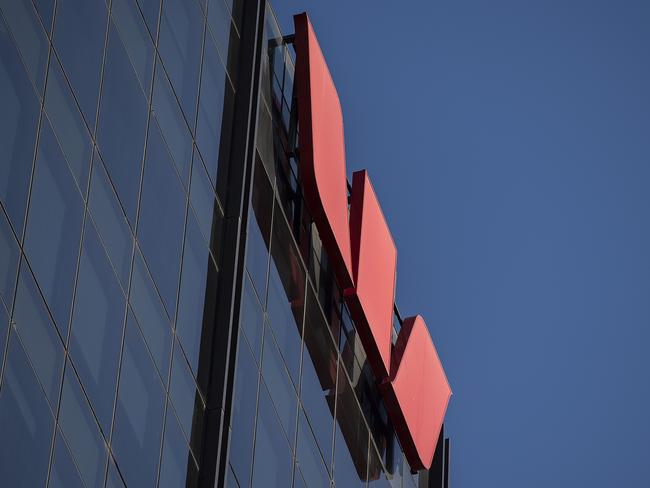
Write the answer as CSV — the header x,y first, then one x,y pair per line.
x,y
8,262
178,468
64,473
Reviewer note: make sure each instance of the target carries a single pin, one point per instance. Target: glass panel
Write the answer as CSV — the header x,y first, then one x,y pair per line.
x,y
197,305
18,123
45,8
273,459
172,123
219,19
82,61
122,125
113,478
81,431
231,480
135,37
162,213
181,34
151,11
64,473
29,36
8,262
286,293
215,89
282,390
252,317
318,374
203,199
178,466
38,335
308,456
376,474
150,314
259,230
110,222
25,423
243,413
350,437
68,124
97,327
188,403
54,228
139,413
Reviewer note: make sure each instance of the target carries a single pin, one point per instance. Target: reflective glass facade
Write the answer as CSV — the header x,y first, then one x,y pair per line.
x,y
167,313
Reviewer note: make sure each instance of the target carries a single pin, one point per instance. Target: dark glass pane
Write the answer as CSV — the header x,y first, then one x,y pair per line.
x,y
139,414
162,213
54,228
350,438
215,89
196,310
273,459
318,374
243,413
172,123
136,39
308,456
259,231
8,262
18,123
178,466
64,473
187,401
82,61
45,8
113,478
219,20
81,431
252,317
110,221
38,335
282,390
150,314
181,33
29,36
203,199
68,124
122,125
25,423
97,327
151,10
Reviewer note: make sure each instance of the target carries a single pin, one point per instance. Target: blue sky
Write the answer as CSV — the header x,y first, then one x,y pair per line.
x,y
509,143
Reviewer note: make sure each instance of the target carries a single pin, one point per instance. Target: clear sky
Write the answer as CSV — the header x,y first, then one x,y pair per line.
x,y
509,142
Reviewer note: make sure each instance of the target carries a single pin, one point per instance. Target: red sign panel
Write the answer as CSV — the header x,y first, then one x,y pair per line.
x,y
364,258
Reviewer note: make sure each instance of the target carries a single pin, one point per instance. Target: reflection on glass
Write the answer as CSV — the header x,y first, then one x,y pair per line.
x,y
97,327
54,228
75,20
64,473
110,221
81,431
8,262
38,335
162,213
122,124
150,10
197,305
273,461
252,317
139,413
18,122
25,423
308,456
203,199
178,467
68,124
181,33
29,37
282,390
151,316
243,413
113,478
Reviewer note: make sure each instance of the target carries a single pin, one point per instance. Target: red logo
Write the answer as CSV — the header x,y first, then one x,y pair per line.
x,y
364,258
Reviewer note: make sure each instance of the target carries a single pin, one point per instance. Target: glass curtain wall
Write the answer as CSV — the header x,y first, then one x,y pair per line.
x,y
112,117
